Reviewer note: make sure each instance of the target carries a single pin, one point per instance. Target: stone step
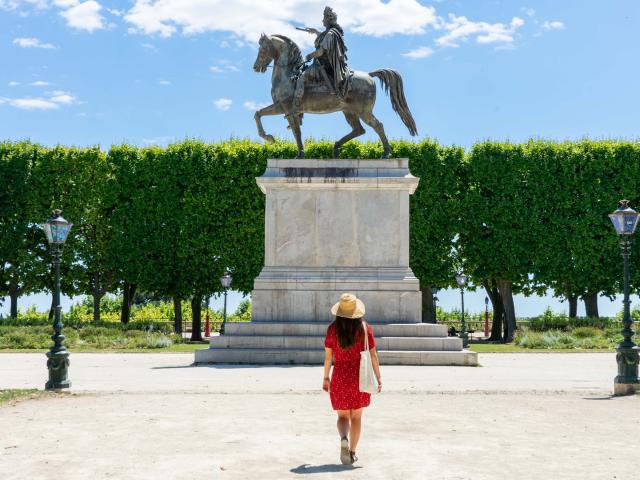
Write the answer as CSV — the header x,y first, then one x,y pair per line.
x,y
320,329
257,356
301,342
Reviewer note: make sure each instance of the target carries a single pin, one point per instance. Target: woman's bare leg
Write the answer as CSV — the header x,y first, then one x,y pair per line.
x,y
343,422
354,430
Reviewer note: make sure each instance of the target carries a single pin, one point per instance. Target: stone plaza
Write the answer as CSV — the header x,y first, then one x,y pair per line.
x,y
150,416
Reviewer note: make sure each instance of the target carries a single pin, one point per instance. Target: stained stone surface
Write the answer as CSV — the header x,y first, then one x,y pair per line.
x,y
335,226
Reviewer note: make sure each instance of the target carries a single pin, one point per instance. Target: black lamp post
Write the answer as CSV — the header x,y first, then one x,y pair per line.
x,y
225,280
461,278
625,221
57,229
434,292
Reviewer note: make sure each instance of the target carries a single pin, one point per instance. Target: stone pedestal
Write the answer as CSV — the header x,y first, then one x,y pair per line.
x,y
335,226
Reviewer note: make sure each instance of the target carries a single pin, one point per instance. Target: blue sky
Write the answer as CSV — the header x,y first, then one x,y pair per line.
x,y
153,71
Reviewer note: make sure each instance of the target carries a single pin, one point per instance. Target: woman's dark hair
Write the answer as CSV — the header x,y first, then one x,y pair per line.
x,y
347,329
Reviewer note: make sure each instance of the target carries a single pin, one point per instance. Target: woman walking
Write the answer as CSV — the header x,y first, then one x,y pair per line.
x,y
344,341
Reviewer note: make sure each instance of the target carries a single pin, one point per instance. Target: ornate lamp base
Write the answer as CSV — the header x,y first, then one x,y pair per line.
x,y
627,381
58,365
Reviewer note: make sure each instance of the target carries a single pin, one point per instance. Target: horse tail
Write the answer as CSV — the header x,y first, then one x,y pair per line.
x,y
391,80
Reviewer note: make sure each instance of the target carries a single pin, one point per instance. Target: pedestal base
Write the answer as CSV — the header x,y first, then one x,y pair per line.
x,y
306,294
58,365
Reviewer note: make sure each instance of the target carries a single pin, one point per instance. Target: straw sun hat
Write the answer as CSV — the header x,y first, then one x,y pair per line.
x,y
348,307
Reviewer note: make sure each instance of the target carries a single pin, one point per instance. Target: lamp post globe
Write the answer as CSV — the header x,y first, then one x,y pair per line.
x,y
225,281
461,280
57,230
625,220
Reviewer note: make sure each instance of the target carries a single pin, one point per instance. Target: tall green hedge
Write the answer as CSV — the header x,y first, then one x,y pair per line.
x,y
517,217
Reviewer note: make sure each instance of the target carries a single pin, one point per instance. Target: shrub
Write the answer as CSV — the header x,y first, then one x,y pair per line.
x,y
583,338
586,332
549,321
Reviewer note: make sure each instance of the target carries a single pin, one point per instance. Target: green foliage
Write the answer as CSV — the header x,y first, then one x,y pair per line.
x,y
78,337
560,321
172,220
583,338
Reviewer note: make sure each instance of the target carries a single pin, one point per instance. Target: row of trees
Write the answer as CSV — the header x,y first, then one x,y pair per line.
x,y
169,221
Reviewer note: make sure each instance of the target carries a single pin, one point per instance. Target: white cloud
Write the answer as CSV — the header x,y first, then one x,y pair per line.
x,y
223,104
63,98
553,25
253,106
15,4
30,103
53,101
157,141
32,43
460,29
224,66
164,82
14,84
247,19
420,52
83,16
39,83
530,12
66,3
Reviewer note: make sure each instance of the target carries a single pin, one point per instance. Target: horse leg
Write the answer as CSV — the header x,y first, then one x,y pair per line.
x,y
357,130
274,109
294,123
376,124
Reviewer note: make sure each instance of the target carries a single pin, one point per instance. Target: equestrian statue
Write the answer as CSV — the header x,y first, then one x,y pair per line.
x,y
324,84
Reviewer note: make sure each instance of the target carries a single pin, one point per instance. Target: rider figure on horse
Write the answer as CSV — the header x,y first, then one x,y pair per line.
x,y
329,60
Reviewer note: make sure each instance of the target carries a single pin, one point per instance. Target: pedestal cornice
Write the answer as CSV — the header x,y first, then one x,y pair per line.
x,y
331,174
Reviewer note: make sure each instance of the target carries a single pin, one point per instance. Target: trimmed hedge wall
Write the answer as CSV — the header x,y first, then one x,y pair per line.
x,y
171,220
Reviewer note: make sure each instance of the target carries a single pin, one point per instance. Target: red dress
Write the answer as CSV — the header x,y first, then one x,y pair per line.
x,y
344,387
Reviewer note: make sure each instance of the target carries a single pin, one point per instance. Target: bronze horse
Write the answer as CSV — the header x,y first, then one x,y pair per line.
x,y
356,105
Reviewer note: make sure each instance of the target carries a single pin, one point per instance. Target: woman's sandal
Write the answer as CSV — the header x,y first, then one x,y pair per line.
x,y
345,453
354,459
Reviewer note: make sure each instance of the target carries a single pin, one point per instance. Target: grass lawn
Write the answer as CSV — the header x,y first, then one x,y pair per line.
x,y
177,348
10,395
511,348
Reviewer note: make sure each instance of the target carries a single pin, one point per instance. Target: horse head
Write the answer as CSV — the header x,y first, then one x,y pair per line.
x,y
266,53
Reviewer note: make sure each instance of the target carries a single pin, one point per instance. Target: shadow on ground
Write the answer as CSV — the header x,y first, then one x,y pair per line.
x,y
327,468
227,366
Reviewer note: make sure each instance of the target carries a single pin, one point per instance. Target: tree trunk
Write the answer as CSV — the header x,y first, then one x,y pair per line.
x,y
177,315
591,304
196,317
97,296
128,292
498,312
505,287
14,293
428,306
573,305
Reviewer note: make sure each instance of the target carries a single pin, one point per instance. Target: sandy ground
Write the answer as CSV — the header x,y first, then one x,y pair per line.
x,y
150,416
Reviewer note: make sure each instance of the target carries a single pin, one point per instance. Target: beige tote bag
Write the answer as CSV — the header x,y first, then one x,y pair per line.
x,y
368,381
